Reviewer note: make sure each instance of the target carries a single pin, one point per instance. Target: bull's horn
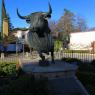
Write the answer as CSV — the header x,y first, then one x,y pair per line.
x,y
50,9
22,17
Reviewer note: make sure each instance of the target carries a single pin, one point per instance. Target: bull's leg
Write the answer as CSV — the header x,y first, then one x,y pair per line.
x,y
52,56
43,62
42,57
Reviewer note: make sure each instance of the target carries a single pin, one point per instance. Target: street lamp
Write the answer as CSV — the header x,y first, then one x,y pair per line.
x,y
23,46
16,47
21,41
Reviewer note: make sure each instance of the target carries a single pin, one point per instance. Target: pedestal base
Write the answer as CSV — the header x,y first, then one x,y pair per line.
x,y
44,63
59,69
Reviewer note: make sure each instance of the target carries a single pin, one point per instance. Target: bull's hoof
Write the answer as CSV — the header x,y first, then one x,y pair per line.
x,y
44,63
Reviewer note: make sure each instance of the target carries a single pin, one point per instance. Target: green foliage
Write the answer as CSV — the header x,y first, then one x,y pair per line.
x,y
70,60
7,69
76,51
22,29
57,45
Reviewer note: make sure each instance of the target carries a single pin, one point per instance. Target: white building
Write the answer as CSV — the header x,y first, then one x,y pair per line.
x,y
81,40
78,40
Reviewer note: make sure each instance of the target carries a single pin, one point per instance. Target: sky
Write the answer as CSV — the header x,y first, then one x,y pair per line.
x,y
83,8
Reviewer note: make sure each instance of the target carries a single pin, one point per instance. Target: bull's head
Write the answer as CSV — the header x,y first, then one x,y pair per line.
x,y
37,19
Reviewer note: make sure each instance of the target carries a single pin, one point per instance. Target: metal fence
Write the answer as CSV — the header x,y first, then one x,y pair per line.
x,y
82,56
58,55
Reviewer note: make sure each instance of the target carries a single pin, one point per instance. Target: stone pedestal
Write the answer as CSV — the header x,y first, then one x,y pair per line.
x,y
44,63
59,69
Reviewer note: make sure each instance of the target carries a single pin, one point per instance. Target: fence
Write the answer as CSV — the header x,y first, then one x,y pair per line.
x,y
82,56
58,55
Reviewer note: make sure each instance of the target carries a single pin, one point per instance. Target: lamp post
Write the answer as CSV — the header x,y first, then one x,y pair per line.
x,y
16,47
23,47
22,42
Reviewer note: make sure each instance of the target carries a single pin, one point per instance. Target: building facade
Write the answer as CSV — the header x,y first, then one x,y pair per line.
x,y
82,40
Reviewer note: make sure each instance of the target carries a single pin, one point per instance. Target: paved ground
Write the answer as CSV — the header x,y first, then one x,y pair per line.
x,y
59,66
64,85
67,86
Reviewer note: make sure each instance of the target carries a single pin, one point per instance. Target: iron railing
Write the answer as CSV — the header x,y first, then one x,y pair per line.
x,y
58,55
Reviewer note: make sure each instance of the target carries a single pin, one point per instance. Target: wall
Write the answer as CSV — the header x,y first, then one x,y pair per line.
x,y
81,40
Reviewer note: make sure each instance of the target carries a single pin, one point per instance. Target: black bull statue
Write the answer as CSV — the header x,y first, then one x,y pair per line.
x,y
39,36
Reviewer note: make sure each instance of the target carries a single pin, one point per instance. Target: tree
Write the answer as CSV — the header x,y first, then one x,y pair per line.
x,y
66,22
66,25
80,24
10,24
53,27
69,22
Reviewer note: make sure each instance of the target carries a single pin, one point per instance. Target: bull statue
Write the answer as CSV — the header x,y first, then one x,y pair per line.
x,y
39,36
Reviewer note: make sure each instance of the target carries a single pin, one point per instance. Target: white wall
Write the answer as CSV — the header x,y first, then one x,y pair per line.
x,y
81,40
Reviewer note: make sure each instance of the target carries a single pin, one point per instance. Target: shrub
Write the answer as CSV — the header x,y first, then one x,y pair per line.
x,y
70,60
57,45
8,69
64,59
76,51
86,74
93,62
86,67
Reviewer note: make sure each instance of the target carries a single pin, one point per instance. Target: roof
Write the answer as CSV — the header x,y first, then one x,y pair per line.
x,y
83,31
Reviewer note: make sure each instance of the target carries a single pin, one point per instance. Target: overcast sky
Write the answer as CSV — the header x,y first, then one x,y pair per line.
x,y
84,8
